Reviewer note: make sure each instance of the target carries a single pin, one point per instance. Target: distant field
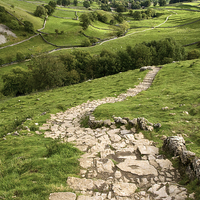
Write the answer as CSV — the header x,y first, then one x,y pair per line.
x,y
139,30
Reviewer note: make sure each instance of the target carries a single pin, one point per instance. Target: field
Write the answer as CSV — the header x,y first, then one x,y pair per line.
x,y
31,166
182,25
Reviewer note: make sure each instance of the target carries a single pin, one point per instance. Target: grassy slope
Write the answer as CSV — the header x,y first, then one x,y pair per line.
x,y
175,84
26,170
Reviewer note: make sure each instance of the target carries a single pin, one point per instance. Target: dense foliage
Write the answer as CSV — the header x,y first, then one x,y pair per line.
x,y
47,72
144,14
13,23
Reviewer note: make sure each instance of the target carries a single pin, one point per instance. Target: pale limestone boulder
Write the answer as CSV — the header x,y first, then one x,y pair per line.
x,y
148,150
82,197
104,165
62,196
139,167
124,189
79,184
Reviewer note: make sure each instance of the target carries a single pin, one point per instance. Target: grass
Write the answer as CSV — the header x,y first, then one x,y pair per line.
x,y
29,106
91,31
32,166
176,86
184,34
66,25
34,46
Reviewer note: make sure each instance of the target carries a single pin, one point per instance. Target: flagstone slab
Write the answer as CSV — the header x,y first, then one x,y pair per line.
x,y
124,189
138,167
62,196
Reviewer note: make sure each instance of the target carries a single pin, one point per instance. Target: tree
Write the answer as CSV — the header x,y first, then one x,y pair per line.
x,y
193,54
65,2
20,56
59,2
75,2
137,15
86,4
84,18
52,4
47,72
49,9
155,3
40,11
2,9
28,26
121,8
146,3
162,2
17,82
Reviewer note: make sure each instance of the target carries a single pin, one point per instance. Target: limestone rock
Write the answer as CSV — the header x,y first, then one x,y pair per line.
x,y
104,165
148,150
79,184
124,189
82,197
139,167
62,196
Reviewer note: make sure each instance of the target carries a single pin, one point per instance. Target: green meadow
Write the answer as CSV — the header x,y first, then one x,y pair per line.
x,y
31,166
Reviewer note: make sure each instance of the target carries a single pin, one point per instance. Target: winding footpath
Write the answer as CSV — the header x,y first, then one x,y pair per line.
x,y
118,164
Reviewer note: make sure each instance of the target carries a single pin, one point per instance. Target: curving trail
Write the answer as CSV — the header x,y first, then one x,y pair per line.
x,y
118,164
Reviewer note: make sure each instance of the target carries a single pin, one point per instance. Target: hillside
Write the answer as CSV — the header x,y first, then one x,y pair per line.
x,y
47,145
148,104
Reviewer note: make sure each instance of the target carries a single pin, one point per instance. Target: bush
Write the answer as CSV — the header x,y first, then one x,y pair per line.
x,y
1,61
47,72
86,43
194,54
72,77
28,26
20,56
13,24
16,82
40,11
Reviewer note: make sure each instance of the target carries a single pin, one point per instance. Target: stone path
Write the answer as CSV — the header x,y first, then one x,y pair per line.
x,y
118,164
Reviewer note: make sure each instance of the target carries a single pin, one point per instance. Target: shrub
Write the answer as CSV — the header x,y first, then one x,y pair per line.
x,y
194,54
86,43
47,72
16,82
20,56
1,61
86,4
28,26
40,11
72,77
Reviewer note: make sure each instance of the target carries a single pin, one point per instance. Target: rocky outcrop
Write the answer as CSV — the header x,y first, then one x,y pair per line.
x,y
176,146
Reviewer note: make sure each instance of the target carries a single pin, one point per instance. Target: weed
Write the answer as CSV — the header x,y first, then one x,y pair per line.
x,y
84,121
114,162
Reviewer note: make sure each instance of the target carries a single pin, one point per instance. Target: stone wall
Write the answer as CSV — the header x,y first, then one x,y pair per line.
x,y
176,146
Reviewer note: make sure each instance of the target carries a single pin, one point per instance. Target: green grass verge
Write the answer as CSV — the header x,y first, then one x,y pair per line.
x,y
32,166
